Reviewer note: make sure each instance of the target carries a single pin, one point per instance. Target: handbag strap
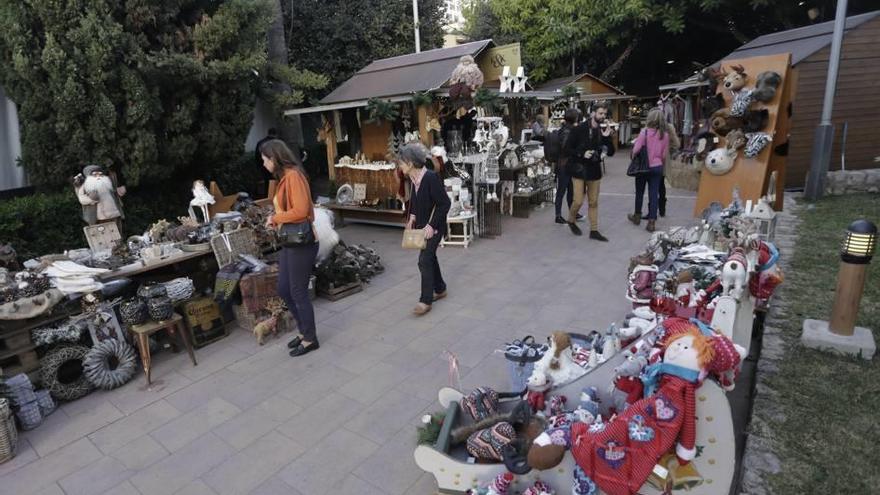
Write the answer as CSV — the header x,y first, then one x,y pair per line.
x,y
431,218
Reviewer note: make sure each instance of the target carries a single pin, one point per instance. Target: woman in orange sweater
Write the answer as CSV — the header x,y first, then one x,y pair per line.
x,y
293,205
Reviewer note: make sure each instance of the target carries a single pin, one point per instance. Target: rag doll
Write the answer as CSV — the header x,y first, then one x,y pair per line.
x,y
620,455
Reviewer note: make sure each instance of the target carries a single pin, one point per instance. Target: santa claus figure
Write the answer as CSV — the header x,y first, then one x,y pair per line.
x,y
99,191
620,458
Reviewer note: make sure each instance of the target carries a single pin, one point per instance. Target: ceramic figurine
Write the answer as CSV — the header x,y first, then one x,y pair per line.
x,y
201,199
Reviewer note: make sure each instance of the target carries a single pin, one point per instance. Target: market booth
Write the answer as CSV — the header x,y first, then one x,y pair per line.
x,y
95,317
809,48
481,140
624,410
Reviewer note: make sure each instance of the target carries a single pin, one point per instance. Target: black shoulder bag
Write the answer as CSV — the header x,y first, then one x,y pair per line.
x,y
639,164
297,234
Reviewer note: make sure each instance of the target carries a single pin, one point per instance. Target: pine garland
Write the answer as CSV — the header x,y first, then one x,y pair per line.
x,y
430,432
422,98
488,100
380,110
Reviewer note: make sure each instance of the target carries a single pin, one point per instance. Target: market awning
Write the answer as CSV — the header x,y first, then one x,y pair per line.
x,y
405,74
689,83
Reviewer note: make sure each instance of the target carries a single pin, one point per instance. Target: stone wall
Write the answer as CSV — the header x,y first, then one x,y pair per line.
x,y
842,182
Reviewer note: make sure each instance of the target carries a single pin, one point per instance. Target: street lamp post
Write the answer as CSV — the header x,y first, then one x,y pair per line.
x,y
841,333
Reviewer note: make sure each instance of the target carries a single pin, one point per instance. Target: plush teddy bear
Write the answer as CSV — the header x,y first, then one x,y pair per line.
x,y
723,121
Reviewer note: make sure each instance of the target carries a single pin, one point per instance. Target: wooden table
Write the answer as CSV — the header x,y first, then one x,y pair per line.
x,y
378,216
132,270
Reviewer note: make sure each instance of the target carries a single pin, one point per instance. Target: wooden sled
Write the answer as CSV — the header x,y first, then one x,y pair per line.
x,y
715,442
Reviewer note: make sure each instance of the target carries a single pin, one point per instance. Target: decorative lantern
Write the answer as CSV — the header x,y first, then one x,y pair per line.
x,y
860,243
765,219
858,249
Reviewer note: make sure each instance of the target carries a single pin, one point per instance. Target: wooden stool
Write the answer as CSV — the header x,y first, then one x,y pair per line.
x,y
144,330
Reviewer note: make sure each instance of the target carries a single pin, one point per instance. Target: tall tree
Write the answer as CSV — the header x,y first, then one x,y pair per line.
x,y
339,37
152,87
616,39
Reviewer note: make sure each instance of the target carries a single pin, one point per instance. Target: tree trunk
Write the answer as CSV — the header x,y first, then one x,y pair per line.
x,y
288,128
612,70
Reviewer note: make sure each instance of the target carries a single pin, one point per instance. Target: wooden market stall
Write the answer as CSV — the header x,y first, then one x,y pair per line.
x,y
384,105
854,121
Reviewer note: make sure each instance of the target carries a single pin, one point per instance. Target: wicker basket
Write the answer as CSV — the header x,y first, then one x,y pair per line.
x,y
8,433
228,246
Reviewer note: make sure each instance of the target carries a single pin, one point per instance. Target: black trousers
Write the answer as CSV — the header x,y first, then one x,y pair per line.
x,y
295,269
429,267
563,189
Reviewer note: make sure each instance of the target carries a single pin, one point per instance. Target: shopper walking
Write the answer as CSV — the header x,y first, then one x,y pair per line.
x,y
539,129
429,205
563,179
656,138
587,145
293,208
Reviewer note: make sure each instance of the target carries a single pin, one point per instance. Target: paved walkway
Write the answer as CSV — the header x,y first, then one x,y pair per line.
x,y
251,420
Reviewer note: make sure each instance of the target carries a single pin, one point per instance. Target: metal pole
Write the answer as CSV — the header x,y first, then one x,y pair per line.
x,y
823,139
416,25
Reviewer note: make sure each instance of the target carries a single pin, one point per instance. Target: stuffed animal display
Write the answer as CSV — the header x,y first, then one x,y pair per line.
x,y
720,161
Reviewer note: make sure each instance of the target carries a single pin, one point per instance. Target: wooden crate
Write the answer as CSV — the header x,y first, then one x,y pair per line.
x,y
337,293
15,340
24,361
204,321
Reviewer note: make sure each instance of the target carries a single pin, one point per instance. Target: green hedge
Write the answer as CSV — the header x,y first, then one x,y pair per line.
x,y
45,223
42,224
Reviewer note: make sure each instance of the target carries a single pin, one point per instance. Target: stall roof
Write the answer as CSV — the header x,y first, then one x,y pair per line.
x,y
800,42
561,82
405,74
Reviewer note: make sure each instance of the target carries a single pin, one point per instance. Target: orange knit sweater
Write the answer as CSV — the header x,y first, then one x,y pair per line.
x,y
293,199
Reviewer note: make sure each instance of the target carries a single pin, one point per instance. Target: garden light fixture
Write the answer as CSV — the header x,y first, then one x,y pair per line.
x,y
841,333
860,242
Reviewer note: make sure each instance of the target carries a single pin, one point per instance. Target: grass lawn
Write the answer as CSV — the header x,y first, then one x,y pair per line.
x,y
828,433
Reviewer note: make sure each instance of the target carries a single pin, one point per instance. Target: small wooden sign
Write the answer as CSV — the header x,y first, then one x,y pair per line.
x,y
204,321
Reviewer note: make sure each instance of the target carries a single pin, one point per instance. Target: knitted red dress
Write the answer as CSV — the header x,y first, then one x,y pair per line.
x,y
620,458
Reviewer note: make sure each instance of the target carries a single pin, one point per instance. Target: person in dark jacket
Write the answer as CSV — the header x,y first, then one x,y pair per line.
x,y
563,180
585,148
429,205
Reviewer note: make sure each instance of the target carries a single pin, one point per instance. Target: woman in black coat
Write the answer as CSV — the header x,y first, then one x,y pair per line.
x,y
429,205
